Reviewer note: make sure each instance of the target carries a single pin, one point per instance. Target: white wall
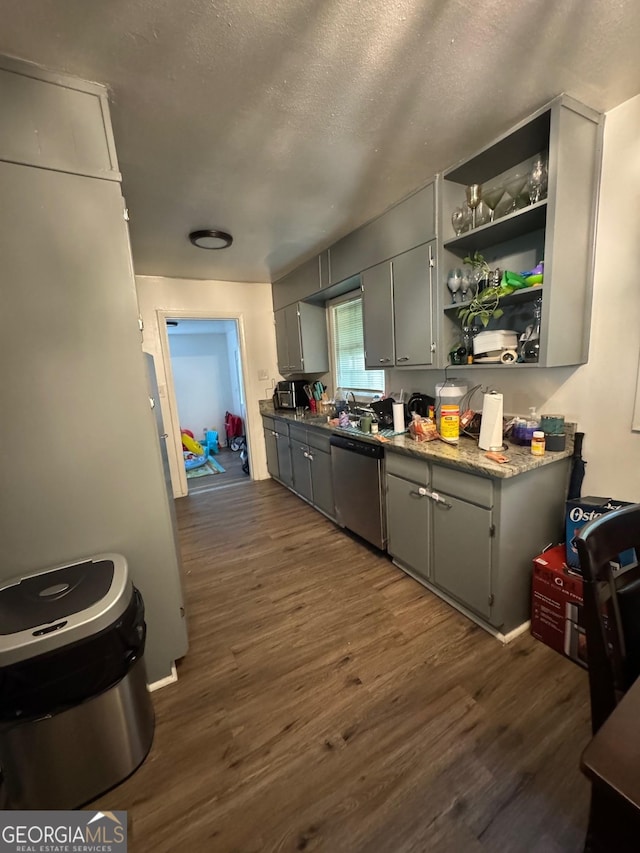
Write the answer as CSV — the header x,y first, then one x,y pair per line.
x,y
251,304
233,356
202,381
599,395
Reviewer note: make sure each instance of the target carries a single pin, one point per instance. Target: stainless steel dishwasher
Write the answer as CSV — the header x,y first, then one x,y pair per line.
x,y
357,468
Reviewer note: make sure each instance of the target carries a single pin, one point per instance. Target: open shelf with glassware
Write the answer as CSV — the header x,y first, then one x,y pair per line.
x,y
529,197
527,294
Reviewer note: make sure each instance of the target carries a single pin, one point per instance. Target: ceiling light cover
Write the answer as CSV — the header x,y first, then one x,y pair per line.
x,y
211,239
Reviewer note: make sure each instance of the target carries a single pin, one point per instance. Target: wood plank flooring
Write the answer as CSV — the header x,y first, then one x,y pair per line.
x,y
233,474
330,703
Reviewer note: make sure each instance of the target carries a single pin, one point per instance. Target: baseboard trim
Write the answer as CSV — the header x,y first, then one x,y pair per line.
x,y
502,638
165,682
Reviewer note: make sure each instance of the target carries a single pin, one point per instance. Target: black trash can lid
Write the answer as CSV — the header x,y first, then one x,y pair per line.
x,y
55,607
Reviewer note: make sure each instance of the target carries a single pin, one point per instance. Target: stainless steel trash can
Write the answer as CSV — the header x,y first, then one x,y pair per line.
x,y
76,717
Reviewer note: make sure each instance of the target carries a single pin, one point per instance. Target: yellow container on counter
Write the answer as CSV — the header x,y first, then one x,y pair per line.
x,y
450,423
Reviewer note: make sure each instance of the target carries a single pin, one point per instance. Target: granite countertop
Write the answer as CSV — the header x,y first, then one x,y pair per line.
x,y
465,454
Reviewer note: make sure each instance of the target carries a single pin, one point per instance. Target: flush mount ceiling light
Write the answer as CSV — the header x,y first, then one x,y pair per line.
x,y
211,239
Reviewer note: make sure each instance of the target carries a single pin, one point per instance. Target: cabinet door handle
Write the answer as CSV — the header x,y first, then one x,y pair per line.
x,y
384,360
440,500
404,358
310,457
420,493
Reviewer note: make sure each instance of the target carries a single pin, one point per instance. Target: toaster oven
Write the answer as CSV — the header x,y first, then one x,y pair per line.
x,y
290,394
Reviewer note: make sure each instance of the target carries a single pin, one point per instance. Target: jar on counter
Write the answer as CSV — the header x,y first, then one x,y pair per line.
x,y
538,443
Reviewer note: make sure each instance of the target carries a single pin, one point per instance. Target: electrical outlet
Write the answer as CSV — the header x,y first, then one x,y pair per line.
x,y
262,374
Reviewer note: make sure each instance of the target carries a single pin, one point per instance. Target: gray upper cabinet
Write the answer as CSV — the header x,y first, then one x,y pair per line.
x,y
558,229
55,122
377,316
398,310
301,339
413,274
302,282
407,224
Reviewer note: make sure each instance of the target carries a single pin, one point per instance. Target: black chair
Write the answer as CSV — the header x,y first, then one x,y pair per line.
x,y
611,608
612,625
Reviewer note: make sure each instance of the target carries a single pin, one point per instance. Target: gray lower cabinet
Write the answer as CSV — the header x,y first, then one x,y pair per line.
x,y
408,524
311,456
462,552
472,538
271,444
285,466
301,469
300,458
321,478
301,339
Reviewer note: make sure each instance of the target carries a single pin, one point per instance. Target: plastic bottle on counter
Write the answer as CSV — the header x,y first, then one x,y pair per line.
x,y
538,443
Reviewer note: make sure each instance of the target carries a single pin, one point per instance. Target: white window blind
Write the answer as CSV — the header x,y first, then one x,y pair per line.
x,y
348,349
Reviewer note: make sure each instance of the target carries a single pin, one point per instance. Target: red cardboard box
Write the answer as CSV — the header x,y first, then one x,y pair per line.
x,y
556,606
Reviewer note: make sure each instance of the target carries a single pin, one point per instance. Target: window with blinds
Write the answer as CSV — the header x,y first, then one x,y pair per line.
x,y
348,349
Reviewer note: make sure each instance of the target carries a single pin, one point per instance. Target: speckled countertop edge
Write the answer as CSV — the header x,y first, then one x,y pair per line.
x,y
464,455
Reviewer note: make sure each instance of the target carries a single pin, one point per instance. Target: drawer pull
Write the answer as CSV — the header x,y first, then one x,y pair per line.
x,y
404,358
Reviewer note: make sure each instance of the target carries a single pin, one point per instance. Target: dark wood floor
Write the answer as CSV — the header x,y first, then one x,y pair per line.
x,y
330,703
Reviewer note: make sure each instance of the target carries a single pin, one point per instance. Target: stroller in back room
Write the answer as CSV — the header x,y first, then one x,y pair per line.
x,y
235,438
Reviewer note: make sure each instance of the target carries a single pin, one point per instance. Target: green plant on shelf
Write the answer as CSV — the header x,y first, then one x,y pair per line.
x,y
486,303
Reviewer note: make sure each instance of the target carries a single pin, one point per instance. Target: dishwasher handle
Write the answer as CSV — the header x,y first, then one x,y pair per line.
x,y
364,448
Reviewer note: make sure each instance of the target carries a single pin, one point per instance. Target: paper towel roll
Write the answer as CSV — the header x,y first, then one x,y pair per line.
x,y
398,417
491,423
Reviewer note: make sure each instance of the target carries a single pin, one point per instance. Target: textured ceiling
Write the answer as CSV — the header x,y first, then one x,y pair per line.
x,y
291,122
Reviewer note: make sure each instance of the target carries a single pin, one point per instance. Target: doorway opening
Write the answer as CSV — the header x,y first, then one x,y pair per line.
x,y
206,374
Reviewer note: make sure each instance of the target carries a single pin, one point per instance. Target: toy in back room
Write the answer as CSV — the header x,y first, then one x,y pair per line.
x,y
193,452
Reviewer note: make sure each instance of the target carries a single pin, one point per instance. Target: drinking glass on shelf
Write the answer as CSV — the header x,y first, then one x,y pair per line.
x,y
467,216
474,197
492,198
513,188
458,220
537,180
482,214
454,283
465,284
